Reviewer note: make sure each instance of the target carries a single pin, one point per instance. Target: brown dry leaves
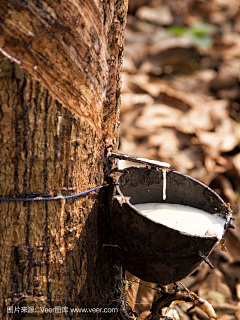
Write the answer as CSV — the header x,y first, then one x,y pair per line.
x,y
180,104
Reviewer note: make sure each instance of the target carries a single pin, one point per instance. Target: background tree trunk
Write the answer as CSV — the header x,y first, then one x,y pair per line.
x,y
64,55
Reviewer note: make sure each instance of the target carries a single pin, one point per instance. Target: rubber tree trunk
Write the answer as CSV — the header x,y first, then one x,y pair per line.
x,y
59,97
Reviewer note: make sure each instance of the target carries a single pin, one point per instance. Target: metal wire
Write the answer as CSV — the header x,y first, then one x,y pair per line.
x,y
53,198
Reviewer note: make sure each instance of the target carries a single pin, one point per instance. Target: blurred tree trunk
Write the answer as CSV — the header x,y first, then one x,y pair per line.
x,y
59,99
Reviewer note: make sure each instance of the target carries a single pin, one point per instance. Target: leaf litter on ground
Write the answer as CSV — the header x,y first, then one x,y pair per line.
x,y
181,104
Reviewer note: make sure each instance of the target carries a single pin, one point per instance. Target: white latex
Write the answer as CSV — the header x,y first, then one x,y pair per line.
x,y
184,218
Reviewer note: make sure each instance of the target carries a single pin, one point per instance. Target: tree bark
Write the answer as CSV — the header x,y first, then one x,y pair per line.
x,y
59,98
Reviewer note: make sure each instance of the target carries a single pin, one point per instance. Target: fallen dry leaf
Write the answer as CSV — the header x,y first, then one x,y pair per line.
x,y
131,288
215,288
145,297
218,141
160,15
231,274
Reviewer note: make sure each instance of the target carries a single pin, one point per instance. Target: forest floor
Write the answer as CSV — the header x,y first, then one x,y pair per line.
x,y
181,104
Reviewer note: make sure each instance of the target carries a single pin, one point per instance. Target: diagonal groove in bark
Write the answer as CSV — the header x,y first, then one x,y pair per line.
x,y
66,46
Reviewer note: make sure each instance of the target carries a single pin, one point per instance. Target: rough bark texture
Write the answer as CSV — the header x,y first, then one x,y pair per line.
x,y
51,252
74,48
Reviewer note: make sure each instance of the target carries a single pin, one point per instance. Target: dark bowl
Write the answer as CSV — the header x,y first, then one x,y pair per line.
x,y
152,251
